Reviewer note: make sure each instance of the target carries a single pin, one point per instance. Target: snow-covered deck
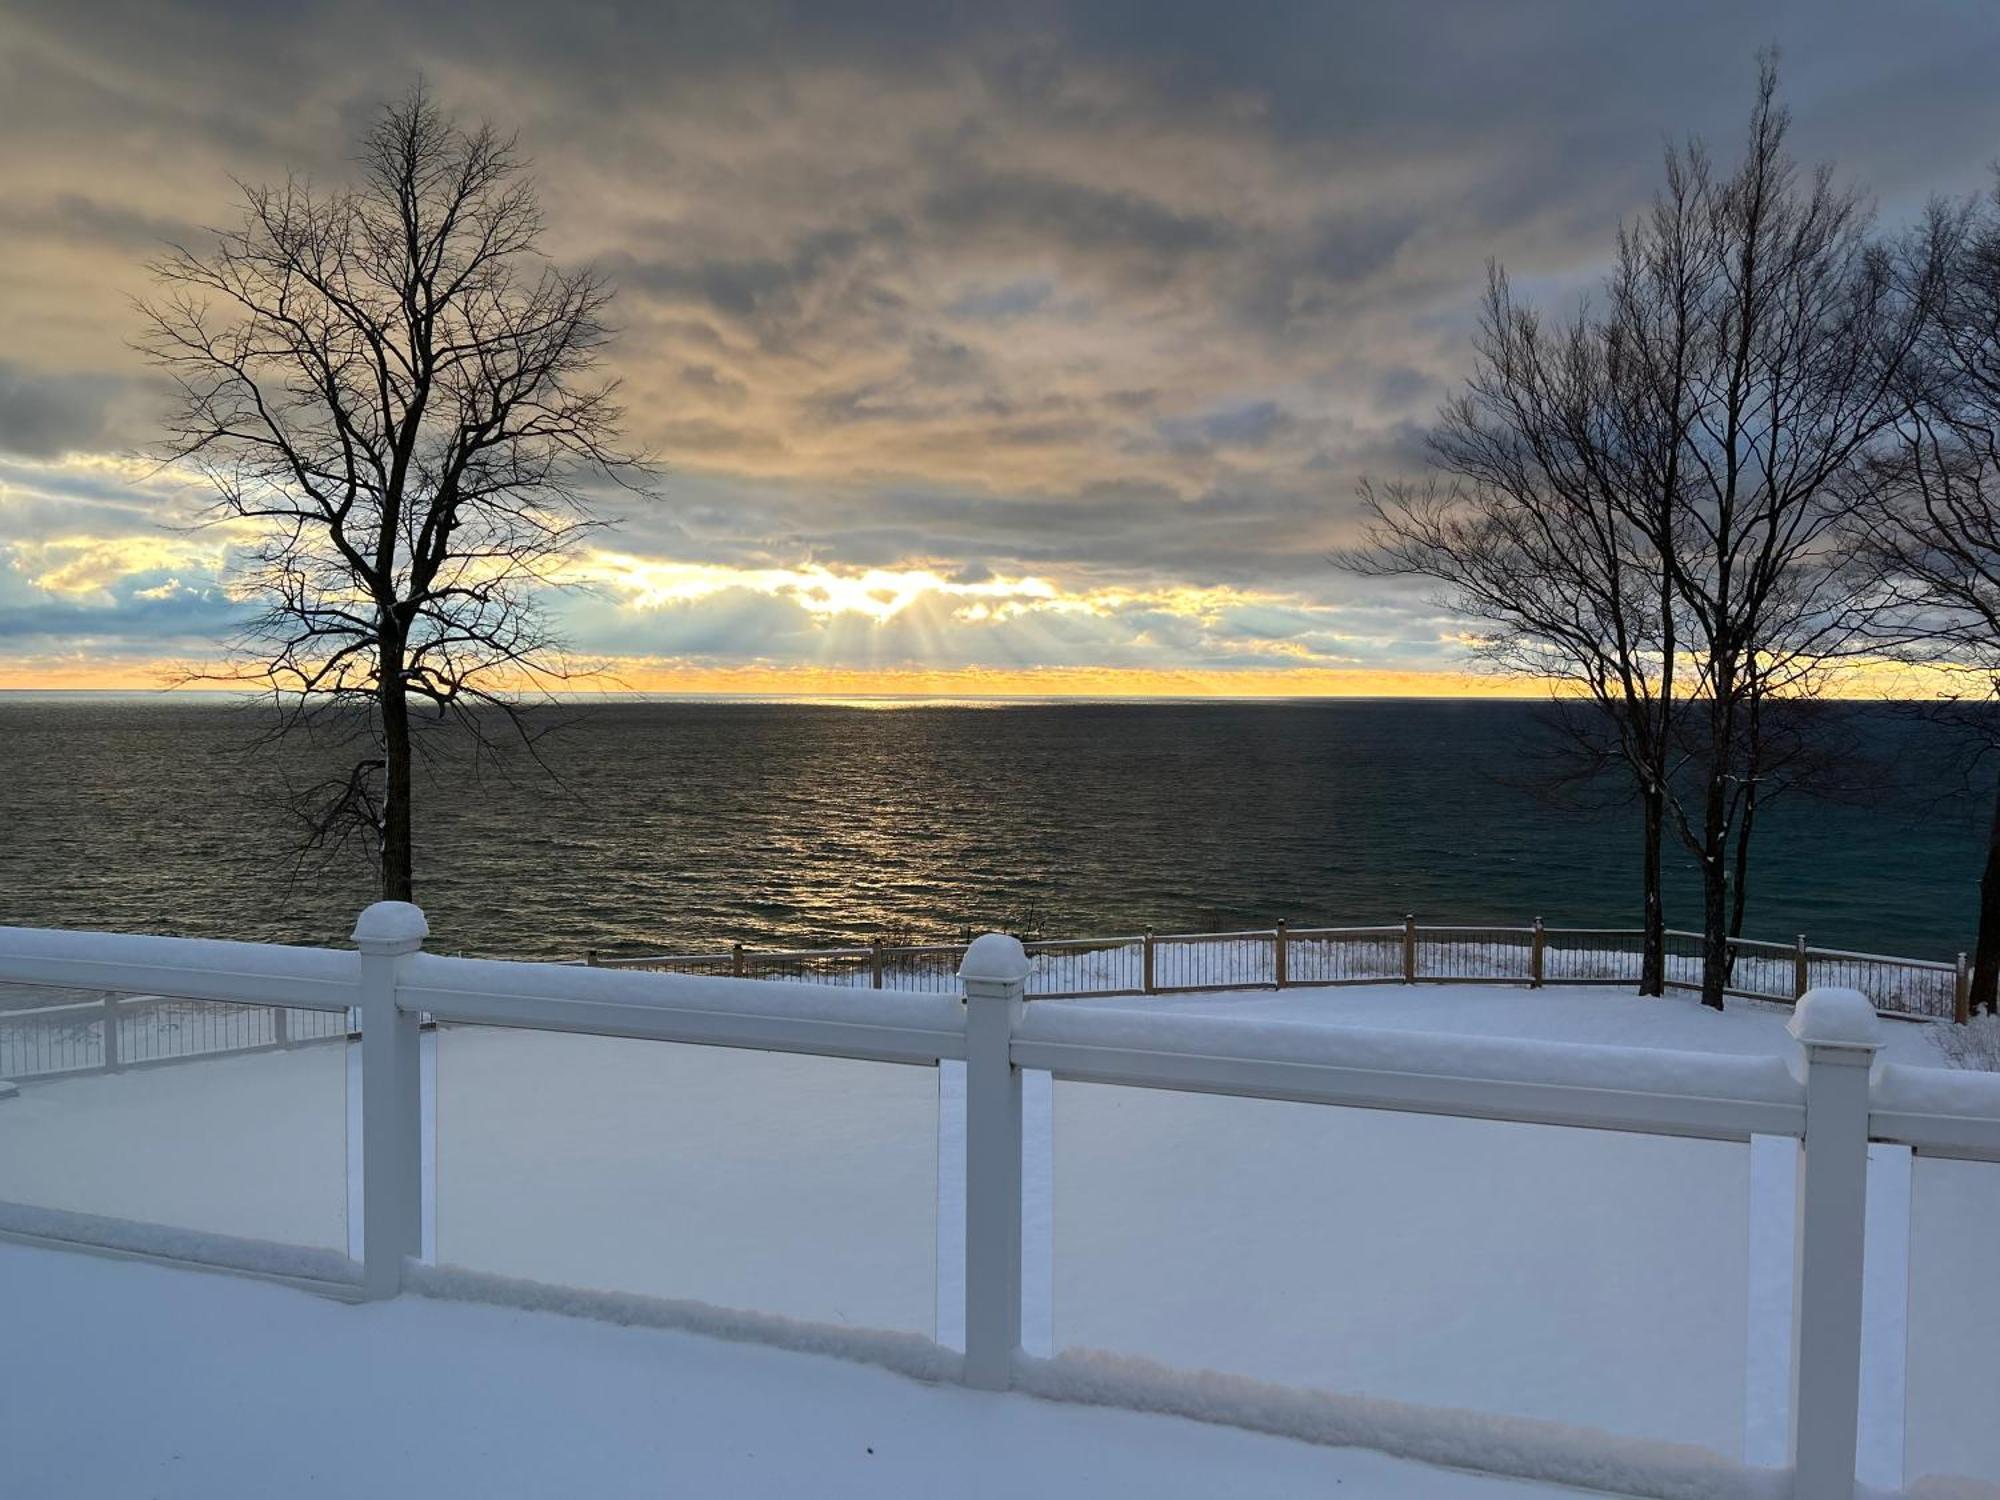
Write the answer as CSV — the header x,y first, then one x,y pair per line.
x,y
132,1379
1533,1273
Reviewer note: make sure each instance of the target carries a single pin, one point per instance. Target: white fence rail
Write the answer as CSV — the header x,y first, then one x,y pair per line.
x,y
109,1031
1827,1100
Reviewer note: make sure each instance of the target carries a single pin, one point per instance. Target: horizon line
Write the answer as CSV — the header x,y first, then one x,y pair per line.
x,y
838,697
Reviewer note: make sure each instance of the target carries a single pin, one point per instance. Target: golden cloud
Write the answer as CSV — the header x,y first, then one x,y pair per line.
x,y
88,566
880,594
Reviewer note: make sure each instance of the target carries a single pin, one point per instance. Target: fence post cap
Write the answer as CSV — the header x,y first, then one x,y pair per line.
x,y
1831,1016
391,927
996,958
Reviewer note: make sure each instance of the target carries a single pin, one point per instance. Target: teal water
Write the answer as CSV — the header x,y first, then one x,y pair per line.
x,y
693,824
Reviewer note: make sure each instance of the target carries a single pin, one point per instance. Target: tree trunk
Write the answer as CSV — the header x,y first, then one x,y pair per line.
x,y
1715,945
1986,958
1653,943
1739,893
397,884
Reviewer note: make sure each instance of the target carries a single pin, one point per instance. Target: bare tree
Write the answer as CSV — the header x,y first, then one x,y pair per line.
x,y
393,398
1926,527
1639,507
1800,335
1549,517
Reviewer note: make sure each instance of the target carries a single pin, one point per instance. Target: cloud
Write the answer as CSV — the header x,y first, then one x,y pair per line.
x,y
1046,211
45,415
999,304
1119,299
89,567
921,618
1252,424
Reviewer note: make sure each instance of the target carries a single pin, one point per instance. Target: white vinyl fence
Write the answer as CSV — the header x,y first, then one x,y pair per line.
x,y
66,1033
1832,1101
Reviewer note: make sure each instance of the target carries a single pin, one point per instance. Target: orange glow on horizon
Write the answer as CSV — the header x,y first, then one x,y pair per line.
x,y
805,680
671,677
1054,682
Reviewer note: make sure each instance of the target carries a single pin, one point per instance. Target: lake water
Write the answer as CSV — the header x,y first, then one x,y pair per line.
x,y
688,825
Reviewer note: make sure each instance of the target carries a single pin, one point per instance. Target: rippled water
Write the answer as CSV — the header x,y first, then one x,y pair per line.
x,y
689,825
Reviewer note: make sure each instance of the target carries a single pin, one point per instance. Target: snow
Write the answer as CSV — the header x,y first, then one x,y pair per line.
x,y
140,1380
148,956
253,1146
392,923
1291,1267
1767,1373
1837,1016
1403,1050
934,1010
1582,1014
1885,1319
1587,1277
198,1247
995,956
803,1186
1954,1317
1545,1451
905,1353
1934,1090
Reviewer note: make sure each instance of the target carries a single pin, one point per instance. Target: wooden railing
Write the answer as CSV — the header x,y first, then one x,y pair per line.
x,y
110,1032
1286,957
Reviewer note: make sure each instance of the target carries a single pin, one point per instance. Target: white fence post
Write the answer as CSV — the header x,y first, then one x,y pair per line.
x,y
1839,1034
995,976
391,1097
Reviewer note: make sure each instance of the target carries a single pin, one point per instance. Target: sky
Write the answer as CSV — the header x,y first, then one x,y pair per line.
x,y
995,348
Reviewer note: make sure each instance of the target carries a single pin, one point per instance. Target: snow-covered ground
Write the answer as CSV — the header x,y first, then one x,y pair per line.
x,y
1592,1278
1582,1014
126,1380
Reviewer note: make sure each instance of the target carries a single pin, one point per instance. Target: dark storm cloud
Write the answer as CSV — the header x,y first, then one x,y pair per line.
x,y
49,415
43,415
1048,210
766,288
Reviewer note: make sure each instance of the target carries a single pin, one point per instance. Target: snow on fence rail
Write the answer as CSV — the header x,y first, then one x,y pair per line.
x,y
1830,1101
1412,953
